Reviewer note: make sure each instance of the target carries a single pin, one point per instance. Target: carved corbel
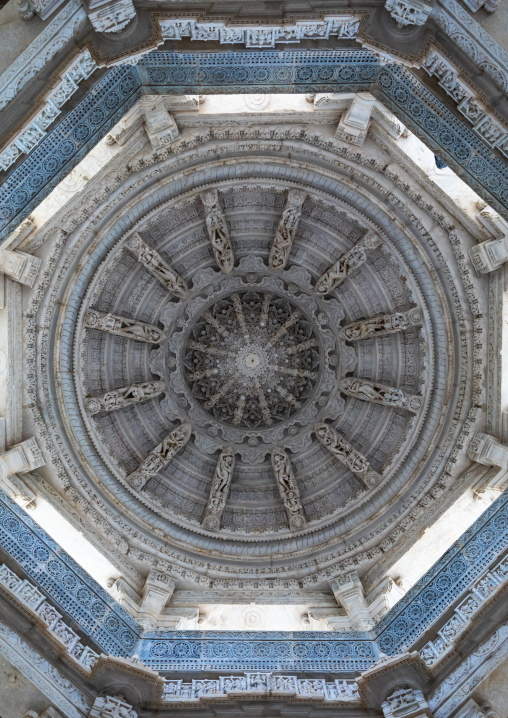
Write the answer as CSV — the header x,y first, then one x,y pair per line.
x,y
123,327
381,394
354,123
487,450
348,592
153,262
397,686
406,702
112,707
151,113
288,489
346,454
126,396
20,266
489,256
219,490
20,459
159,588
285,234
160,456
218,231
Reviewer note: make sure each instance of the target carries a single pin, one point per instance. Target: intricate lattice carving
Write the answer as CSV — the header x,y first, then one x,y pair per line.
x,y
254,362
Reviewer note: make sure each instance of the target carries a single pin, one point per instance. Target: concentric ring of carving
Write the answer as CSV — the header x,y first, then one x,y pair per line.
x,y
253,359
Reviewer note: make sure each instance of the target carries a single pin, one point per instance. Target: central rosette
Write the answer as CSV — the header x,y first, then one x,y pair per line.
x,y
252,359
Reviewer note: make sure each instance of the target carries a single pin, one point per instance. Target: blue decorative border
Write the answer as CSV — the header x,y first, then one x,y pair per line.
x,y
444,131
258,651
69,587
452,574
66,145
267,72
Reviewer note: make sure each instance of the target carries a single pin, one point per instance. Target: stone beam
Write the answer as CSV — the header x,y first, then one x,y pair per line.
x,y
160,456
126,396
123,327
219,491
153,262
347,263
20,266
382,325
382,394
151,113
285,234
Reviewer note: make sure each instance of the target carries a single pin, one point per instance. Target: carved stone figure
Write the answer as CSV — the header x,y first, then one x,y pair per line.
x,y
109,707
160,456
381,326
345,453
379,393
286,230
127,395
288,489
218,231
123,327
347,262
152,260
219,490
408,12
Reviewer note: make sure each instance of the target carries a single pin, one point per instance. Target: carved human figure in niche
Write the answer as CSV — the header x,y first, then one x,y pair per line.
x,y
221,481
123,327
285,233
381,325
219,491
152,260
218,231
288,488
347,263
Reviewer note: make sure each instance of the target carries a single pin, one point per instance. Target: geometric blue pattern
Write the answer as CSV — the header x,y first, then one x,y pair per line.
x,y
64,147
443,584
258,651
445,132
81,599
268,71
69,587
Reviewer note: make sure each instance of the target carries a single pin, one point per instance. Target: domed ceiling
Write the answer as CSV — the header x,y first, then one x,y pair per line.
x,y
257,357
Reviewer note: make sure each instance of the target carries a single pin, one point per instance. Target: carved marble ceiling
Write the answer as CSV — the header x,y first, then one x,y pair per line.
x,y
255,355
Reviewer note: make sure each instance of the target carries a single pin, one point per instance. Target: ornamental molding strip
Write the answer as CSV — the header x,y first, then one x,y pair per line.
x,y
48,619
468,105
259,36
51,40
409,12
